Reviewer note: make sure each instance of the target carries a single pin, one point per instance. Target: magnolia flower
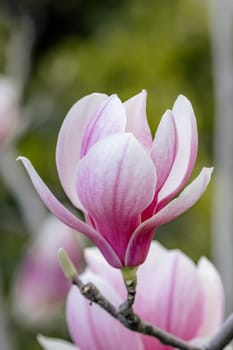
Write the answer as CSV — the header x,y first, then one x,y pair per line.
x,y
124,182
172,293
41,288
9,110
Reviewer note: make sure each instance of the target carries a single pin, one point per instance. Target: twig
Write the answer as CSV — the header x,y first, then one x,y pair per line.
x,y
128,318
130,279
223,336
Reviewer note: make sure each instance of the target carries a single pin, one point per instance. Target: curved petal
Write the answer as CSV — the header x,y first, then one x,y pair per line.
x,y
187,140
214,297
93,328
115,182
109,119
188,197
55,344
137,120
140,240
164,147
162,153
69,140
66,216
98,265
155,254
165,300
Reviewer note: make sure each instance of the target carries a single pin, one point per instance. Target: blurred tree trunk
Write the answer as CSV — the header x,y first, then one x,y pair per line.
x,y
6,341
222,214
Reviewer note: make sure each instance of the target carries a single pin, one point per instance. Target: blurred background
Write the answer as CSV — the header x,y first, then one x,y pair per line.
x,y
54,52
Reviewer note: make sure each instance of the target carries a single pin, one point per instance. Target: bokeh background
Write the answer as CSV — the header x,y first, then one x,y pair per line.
x,y
59,51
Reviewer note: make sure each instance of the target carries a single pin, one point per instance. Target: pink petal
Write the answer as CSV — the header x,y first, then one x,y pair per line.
x,y
137,120
99,266
115,182
214,298
109,119
169,296
163,150
163,153
140,240
92,327
187,140
155,254
66,216
188,197
70,138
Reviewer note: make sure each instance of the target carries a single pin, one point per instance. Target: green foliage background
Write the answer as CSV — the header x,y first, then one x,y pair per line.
x,y
160,46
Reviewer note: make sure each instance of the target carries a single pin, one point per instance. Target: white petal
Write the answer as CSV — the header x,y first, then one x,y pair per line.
x,y
63,214
70,138
137,120
187,140
214,297
55,344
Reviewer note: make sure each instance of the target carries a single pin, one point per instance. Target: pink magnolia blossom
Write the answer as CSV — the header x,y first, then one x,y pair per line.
x,y
124,181
40,287
172,293
9,110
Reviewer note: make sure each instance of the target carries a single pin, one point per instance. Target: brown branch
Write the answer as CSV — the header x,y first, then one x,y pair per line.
x,y
223,336
128,318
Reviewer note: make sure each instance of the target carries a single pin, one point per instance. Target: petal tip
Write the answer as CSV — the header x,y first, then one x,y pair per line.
x,y
208,172
144,92
24,160
182,100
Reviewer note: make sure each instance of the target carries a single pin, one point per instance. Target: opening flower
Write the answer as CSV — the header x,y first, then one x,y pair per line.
x,y
172,294
122,180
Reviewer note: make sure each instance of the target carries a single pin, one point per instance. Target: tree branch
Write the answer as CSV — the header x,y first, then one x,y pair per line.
x,y
128,318
125,313
223,336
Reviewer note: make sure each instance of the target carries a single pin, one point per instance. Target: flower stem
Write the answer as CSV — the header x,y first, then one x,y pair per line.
x,y
130,279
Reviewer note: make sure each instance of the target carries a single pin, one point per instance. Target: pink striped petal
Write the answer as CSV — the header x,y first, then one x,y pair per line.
x,y
164,147
55,344
187,140
98,265
171,296
70,138
214,297
137,120
66,216
188,197
139,243
155,254
115,182
92,327
109,119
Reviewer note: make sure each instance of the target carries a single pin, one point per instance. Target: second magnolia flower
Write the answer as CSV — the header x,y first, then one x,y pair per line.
x,y
122,180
